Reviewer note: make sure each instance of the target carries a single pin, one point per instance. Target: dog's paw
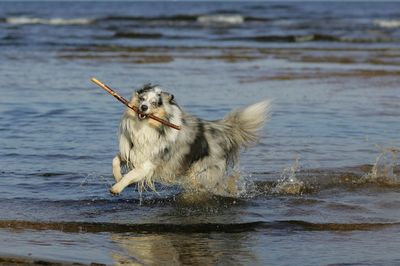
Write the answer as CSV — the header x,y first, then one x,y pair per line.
x,y
114,191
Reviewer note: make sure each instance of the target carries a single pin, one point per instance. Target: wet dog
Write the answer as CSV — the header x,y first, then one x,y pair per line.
x,y
196,157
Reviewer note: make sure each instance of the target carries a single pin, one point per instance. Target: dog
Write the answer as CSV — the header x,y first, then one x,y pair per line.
x,y
196,157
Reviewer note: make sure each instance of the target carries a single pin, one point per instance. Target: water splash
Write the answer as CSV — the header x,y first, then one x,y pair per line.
x,y
383,168
288,182
94,178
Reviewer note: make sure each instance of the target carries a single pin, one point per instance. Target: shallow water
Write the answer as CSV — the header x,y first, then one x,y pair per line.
x,y
322,186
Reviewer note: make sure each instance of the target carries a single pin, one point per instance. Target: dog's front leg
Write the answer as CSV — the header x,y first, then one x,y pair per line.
x,y
116,168
133,176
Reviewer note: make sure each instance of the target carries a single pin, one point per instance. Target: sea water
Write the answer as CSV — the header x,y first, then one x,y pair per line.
x,y
321,186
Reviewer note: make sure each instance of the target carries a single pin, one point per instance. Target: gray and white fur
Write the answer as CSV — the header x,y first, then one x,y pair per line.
x,y
196,157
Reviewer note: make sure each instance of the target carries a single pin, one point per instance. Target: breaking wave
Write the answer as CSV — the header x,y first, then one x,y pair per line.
x,y
221,19
150,19
387,23
47,21
202,19
216,19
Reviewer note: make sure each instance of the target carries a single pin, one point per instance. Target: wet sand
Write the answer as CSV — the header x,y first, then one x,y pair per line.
x,y
11,261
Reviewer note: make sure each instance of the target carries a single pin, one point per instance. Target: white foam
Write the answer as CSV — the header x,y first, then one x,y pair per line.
x,y
50,21
387,23
220,19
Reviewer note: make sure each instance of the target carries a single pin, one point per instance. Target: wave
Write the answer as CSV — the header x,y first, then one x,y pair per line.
x,y
150,228
142,18
220,19
204,19
310,38
200,19
285,38
50,21
137,35
387,23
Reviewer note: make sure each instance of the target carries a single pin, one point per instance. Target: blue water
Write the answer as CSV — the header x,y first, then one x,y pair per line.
x,y
331,69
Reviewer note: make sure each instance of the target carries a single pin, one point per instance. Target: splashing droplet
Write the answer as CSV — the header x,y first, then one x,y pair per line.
x,y
288,183
383,168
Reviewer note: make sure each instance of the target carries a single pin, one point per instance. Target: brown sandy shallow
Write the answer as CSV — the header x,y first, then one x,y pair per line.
x,y
144,55
9,260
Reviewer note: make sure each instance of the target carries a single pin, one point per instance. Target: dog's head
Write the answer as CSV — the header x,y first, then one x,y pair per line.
x,y
151,99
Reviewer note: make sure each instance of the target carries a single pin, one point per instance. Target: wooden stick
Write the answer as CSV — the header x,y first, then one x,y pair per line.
x,y
134,108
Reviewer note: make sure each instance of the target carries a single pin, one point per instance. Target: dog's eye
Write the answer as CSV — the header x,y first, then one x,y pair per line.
x,y
154,104
141,98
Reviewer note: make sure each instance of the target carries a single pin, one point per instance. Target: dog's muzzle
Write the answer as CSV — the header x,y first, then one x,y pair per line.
x,y
142,108
142,116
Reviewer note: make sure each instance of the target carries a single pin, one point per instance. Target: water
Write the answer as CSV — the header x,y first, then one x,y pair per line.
x,y
322,185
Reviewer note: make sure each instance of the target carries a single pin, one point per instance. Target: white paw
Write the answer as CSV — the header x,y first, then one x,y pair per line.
x,y
115,190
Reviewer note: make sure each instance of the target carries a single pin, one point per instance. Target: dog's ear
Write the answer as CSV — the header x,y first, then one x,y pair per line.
x,y
146,87
171,98
168,97
158,90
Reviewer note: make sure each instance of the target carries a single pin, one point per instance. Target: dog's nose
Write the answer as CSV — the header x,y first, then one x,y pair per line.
x,y
143,108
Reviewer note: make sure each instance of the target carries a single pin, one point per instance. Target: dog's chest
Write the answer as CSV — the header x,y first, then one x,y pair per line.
x,y
146,144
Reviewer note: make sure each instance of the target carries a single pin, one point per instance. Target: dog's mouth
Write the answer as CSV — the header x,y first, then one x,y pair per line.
x,y
142,116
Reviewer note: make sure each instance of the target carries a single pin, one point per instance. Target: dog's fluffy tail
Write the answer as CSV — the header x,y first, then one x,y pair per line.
x,y
244,125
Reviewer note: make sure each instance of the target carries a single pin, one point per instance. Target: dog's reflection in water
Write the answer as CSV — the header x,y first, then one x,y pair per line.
x,y
183,249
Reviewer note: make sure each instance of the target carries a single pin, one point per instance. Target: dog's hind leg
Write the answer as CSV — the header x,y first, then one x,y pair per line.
x,y
133,176
116,168
215,181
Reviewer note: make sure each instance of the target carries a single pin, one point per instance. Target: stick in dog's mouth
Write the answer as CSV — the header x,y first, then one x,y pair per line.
x,y
134,108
